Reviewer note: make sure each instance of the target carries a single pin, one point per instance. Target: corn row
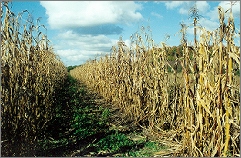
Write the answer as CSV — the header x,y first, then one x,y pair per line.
x,y
31,73
203,100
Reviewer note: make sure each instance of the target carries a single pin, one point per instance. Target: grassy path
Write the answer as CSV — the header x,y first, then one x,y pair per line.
x,y
85,125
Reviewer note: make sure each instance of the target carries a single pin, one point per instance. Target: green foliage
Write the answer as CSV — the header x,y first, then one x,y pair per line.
x,y
86,123
148,150
66,99
105,115
237,72
173,52
88,120
83,124
73,113
48,144
114,142
71,67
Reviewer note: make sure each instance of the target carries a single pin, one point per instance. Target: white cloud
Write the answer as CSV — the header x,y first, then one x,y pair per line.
x,y
74,39
213,14
76,56
235,8
75,49
72,14
156,15
185,6
202,7
83,26
208,18
210,25
173,4
183,11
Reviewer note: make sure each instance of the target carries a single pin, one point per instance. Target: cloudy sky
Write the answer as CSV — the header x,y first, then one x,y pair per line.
x,y
83,30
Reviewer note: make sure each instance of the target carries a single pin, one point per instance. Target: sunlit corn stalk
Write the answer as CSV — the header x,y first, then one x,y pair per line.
x,y
202,99
30,75
209,134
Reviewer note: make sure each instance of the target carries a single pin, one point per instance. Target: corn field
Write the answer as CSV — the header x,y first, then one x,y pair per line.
x,y
30,75
199,107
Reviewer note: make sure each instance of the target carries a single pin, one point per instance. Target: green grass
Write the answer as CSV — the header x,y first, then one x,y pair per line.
x,y
86,123
148,150
73,118
78,121
118,144
114,143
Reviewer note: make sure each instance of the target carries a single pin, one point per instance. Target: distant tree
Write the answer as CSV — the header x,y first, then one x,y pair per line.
x,y
71,67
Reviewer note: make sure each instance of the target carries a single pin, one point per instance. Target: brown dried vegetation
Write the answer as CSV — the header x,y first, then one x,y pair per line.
x,y
30,75
198,108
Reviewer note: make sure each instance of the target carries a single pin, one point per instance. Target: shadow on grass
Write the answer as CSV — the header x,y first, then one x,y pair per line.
x,y
81,127
77,121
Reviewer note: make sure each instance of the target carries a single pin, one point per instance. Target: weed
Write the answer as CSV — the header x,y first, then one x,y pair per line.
x,y
148,150
114,143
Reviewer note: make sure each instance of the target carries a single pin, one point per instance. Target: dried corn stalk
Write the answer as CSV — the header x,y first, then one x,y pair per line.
x,y
203,100
31,73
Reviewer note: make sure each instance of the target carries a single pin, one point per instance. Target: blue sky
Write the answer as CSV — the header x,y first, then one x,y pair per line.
x,y
83,30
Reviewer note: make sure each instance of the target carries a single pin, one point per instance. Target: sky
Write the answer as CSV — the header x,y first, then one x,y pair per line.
x,y
83,30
